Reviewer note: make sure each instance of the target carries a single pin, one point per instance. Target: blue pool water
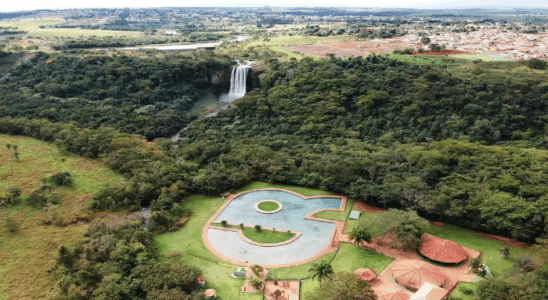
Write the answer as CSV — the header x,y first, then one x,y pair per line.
x,y
316,235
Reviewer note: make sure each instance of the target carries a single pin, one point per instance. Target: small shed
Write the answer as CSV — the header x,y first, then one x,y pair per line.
x,y
239,273
354,215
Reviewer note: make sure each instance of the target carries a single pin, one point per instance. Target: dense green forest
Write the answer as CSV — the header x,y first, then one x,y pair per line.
x,y
465,144
148,95
363,127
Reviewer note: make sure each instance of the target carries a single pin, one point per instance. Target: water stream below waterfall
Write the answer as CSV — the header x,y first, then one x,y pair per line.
x,y
238,81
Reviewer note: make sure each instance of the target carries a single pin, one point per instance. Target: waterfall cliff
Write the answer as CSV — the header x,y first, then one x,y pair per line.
x,y
238,82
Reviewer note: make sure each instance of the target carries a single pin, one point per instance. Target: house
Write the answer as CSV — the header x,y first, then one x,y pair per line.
x,y
429,291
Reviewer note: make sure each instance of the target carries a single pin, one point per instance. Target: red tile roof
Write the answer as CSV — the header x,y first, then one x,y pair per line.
x,y
412,274
365,274
441,250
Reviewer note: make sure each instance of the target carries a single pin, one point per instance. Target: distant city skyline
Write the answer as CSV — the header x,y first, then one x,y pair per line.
x,y
10,6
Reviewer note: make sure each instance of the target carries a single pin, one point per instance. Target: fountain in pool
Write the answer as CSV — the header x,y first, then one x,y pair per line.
x,y
238,84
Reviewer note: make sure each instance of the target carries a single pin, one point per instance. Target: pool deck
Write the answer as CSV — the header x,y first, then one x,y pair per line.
x,y
334,245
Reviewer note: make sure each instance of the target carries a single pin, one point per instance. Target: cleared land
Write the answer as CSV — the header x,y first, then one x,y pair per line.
x,y
350,48
28,256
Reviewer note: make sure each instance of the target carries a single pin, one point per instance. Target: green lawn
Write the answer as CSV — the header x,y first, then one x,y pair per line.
x,y
218,278
488,248
375,230
262,236
301,271
348,259
268,206
483,57
267,236
188,240
457,293
301,190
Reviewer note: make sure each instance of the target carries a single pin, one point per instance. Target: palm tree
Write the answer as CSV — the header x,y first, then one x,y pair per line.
x,y
359,235
321,271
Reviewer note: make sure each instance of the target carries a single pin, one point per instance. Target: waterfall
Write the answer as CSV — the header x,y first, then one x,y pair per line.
x,y
238,82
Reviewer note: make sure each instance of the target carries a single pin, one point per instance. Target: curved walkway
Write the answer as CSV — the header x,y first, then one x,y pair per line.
x,y
318,236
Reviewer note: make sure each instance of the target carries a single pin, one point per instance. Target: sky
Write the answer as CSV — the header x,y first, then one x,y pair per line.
x,y
10,5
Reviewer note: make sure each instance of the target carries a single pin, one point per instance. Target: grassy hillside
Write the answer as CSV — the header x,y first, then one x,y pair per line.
x,y
28,256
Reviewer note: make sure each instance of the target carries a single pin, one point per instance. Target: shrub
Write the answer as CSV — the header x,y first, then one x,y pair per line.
x,y
524,265
38,198
11,224
505,252
257,270
61,178
224,222
12,194
161,221
475,263
466,290
256,283
242,225
258,227
537,64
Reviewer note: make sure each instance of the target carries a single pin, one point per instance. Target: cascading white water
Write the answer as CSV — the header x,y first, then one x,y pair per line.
x,y
237,90
238,82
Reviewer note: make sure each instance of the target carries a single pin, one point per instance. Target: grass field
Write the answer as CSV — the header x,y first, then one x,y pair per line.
x,y
188,240
267,236
263,236
488,248
33,27
483,57
297,189
28,256
268,206
458,293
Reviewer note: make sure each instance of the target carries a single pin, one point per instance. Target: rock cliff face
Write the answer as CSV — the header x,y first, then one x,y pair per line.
x,y
220,77
253,81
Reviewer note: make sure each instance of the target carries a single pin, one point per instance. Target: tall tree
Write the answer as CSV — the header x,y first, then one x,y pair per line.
x,y
321,271
359,235
344,286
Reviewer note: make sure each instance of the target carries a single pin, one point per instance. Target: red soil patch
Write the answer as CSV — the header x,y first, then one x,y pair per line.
x,y
350,48
436,224
446,52
366,208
